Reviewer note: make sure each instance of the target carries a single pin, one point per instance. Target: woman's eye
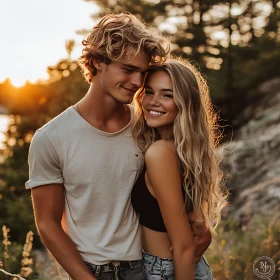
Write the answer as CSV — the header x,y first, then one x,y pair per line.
x,y
168,95
148,92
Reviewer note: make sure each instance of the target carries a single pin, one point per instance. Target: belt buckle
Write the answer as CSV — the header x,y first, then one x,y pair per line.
x,y
116,263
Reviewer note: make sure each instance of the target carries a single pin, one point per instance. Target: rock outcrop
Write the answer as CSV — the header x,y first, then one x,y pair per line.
x,y
252,159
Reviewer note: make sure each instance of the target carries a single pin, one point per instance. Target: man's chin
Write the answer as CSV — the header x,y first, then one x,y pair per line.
x,y
128,101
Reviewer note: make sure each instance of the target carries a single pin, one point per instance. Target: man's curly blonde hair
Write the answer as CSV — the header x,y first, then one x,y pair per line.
x,y
113,35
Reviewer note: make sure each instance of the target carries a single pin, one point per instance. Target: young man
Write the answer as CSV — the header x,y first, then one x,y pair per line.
x,y
84,162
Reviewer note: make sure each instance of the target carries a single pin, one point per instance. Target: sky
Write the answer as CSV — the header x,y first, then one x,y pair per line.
x,y
33,35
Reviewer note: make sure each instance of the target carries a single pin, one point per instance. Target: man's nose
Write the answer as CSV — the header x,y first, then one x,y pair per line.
x,y
137,79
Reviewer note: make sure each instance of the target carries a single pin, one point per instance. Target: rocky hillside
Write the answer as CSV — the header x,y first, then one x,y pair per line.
x,y
252,159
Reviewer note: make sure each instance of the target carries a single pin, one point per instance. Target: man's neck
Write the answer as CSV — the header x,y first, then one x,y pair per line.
x,y
102,111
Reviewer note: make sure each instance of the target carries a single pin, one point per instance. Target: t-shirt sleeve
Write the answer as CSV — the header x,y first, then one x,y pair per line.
x,y
44,164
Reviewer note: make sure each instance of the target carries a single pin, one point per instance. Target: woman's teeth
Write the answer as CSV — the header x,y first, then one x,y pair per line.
x,y
155,113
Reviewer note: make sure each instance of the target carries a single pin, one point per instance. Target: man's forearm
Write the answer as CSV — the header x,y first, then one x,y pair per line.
x,y
64,251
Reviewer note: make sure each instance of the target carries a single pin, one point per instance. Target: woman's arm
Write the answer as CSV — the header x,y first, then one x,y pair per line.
x,y
164,175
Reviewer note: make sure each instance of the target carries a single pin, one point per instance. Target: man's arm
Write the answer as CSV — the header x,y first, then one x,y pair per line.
x,y
48,204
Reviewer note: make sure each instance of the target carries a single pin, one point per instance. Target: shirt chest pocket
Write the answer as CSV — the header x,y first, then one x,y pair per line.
x,y
136,160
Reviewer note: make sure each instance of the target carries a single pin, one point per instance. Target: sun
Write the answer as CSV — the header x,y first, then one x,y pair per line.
x,y
18,81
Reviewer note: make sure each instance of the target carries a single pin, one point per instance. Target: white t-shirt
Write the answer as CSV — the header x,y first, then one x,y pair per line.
x,y
98,170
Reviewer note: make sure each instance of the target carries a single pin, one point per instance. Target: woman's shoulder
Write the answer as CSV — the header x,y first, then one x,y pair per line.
x,y
161,150
163,168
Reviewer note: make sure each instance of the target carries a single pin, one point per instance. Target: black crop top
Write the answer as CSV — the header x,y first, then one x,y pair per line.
x,y
146,205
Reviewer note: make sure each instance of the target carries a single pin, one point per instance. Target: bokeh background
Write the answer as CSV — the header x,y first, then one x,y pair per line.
x,y
235,44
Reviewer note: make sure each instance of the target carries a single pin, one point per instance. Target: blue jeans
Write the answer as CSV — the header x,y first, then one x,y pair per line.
x,y
118,270
157,268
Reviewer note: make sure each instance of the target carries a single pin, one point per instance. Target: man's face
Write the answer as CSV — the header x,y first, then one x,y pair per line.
x,y
120,80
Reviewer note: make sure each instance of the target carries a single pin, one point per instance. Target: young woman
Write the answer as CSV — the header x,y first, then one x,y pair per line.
x,y
180,187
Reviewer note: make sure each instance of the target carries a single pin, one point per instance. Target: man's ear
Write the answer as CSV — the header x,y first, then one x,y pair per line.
x,y
97,64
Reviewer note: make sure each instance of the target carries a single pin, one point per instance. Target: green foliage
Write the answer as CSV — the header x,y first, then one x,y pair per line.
x,y
235,248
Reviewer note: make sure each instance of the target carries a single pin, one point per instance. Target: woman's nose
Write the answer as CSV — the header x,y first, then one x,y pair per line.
x,y
154,100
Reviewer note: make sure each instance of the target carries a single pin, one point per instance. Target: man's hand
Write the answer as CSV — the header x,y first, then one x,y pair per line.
x,y
202,237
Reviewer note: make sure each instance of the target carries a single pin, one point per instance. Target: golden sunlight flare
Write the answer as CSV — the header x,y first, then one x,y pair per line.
x,y
4,122
18,81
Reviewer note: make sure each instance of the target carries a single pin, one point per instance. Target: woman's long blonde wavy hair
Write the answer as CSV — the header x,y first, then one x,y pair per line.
x,y
195,135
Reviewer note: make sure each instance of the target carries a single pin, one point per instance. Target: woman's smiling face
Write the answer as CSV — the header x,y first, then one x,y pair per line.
x,y
158,104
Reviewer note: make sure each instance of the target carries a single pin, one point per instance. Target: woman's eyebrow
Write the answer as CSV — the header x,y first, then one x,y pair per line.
x,y
162,89
166,89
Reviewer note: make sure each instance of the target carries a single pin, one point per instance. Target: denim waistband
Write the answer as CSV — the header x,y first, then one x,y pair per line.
x,y
111,266
155,259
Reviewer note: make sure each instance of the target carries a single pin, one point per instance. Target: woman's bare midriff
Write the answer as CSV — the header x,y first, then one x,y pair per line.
x,y
156,243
